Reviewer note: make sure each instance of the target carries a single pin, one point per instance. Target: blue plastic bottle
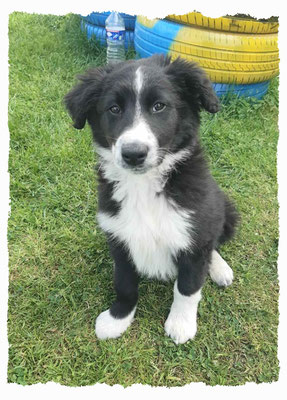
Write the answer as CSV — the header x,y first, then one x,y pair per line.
x,y
115,28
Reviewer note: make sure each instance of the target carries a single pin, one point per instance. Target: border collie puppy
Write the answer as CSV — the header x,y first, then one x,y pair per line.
x,y
162,212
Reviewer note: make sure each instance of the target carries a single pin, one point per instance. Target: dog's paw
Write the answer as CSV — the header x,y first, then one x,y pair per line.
x,y
180,327
109,327
219,270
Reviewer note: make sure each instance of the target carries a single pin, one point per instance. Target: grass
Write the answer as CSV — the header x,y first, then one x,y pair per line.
x,y
60,270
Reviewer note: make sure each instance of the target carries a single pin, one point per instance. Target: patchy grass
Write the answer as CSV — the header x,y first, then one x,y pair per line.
x,y
60,270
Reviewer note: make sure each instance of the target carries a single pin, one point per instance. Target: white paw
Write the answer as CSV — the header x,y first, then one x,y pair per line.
x,y
180,327
181,322
219,270
109,327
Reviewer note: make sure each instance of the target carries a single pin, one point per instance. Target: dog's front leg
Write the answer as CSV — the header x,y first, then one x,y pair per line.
x,y
114,321
192,270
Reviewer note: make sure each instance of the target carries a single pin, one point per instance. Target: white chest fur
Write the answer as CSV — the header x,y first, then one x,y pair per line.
x,y
153,227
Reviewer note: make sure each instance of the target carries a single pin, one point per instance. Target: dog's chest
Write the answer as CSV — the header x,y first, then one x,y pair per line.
x,y
152,226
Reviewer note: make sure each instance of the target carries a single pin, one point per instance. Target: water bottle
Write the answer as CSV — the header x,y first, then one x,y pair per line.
x,y
115,28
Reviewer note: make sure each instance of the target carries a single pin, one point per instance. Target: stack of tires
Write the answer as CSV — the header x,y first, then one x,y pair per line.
x,y
239,55
94,26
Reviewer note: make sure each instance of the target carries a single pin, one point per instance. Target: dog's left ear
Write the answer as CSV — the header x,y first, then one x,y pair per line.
x,y
193,84
84,96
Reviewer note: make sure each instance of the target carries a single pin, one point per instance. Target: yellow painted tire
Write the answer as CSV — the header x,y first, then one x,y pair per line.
x,y
228,24
225,56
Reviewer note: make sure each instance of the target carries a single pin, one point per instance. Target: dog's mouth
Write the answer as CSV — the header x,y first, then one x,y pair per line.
x,y
136,169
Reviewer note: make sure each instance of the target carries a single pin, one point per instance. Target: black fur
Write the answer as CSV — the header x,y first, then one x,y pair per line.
x,y
189,185
125,281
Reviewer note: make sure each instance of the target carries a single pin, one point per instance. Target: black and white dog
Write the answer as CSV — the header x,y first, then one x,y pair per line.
x,y
162,212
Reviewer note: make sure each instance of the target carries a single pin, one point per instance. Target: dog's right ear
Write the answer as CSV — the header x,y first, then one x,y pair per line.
x,y
193,84
84,96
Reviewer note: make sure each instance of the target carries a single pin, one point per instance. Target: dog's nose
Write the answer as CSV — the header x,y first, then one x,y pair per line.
x,y
134,154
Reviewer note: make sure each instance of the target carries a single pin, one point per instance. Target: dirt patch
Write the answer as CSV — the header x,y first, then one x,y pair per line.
x,y
248,17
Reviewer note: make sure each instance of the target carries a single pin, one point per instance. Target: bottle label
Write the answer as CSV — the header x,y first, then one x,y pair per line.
x,y
115,35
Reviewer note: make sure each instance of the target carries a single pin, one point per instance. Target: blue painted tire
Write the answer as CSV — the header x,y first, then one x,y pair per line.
x,y
147,43
99,33
99,19
255,90
228,58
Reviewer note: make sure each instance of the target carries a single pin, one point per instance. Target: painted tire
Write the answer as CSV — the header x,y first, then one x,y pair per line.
x,y
99,33
228,24
226,57
99,19
257,90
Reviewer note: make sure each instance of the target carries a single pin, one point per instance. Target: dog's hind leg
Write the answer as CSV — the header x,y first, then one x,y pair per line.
x,y
219,270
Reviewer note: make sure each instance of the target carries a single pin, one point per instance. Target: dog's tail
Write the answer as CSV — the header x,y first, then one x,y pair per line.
x,y
231,221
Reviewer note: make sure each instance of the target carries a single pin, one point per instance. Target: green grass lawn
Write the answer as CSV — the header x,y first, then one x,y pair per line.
x,y
60,269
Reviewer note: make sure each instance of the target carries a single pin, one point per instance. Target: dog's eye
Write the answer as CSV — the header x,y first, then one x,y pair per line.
x,y
157,107
115,109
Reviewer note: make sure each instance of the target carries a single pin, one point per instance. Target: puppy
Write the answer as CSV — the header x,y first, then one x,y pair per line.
x,y
163,214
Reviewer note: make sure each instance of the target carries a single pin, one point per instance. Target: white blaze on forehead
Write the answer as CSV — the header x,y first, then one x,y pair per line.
x,y
138,80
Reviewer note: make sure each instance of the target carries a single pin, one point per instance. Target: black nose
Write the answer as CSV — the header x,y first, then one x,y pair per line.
x,y
134,154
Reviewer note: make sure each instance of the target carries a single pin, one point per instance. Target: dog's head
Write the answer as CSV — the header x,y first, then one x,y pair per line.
x,y
142,110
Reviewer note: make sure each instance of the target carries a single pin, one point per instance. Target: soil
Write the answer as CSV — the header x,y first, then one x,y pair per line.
x,y
246,16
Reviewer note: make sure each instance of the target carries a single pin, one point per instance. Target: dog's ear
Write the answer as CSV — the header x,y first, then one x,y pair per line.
x,y
193,84
85,94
